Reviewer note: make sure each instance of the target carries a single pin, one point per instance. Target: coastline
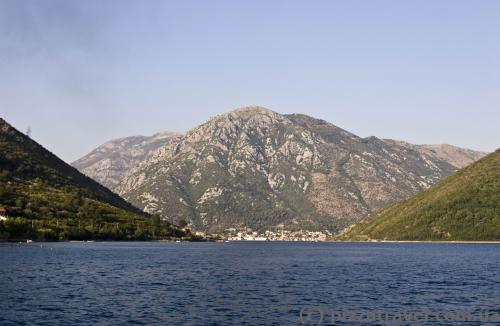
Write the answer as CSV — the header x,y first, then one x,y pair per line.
x,y
423,241
28,241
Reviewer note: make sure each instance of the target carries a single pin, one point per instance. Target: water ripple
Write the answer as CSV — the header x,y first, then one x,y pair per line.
x,y
239,283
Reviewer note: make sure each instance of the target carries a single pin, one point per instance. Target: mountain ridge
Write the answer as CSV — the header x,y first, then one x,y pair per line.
x,y
457,156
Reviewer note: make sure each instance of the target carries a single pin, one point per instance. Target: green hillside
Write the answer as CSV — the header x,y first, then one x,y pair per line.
x,y
465,206
45,198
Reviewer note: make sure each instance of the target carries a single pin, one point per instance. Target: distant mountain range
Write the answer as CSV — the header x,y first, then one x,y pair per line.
x,y
48,199
464,206
456,156
110,162
255,168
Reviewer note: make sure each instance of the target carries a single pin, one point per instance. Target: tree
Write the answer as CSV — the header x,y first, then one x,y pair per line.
x,y
17,227
155,224
183,223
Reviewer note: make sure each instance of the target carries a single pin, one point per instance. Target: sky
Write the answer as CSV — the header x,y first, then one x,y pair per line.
x,y
81,72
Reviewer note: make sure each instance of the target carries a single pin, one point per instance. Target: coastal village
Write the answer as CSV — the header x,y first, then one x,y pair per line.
x,y
233,234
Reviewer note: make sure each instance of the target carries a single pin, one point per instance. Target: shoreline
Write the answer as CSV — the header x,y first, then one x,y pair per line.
x,y
423,241
29,241
257,241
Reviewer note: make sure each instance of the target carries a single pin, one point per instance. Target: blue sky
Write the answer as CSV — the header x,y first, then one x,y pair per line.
x,y
82,72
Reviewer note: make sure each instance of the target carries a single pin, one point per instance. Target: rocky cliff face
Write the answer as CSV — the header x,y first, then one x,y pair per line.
x,y
110,162
256,168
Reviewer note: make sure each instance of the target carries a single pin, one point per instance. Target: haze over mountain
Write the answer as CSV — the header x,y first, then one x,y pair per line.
x,y
255,168
109,163
464,206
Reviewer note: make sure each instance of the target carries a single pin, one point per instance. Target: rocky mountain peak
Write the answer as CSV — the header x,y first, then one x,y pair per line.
x,y
164,135
251,116
250,111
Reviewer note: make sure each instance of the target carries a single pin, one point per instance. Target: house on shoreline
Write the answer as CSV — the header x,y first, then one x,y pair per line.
x,y
3,213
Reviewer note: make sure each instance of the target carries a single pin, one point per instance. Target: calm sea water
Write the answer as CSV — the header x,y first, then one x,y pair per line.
x,y
248,283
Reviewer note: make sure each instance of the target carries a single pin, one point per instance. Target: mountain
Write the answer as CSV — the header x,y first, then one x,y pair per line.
x,y
456,156
48,199
255,168
109,163
464,206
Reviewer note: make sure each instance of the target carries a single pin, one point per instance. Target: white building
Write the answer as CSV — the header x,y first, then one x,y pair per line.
x,y
2,214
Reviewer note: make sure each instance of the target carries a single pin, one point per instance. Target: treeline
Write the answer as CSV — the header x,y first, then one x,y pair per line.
x,y
39,212
38,200
141,229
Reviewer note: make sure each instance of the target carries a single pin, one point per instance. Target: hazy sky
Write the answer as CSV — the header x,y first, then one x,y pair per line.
x,y
82,72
